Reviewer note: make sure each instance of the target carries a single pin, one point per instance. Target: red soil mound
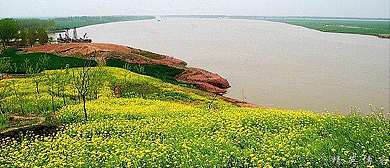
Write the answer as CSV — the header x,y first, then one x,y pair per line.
x,y
205,80
79,48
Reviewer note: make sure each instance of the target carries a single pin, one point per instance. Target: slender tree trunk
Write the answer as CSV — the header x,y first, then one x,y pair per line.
x,y
63,96
96,94
21,107
85,109
37,87
1,108
215,96
52,98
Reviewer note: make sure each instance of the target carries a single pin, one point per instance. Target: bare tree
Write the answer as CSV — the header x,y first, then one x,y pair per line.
x,y
4,90
53,79
63,82
82,81
97,81
20,100
34,74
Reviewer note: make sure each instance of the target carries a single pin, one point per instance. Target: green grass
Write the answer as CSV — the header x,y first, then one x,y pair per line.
x,y
4,118
17,62
163,72
365,27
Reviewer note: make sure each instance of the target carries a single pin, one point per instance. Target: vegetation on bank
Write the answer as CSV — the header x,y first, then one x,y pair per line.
x,y
375,28
11,62
81,21
60,23
114,117
150,132
12,34
353,25
367,26
160,71
118,117
24,32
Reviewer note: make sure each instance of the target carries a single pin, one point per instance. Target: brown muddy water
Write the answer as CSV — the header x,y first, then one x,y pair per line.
x,y
271,64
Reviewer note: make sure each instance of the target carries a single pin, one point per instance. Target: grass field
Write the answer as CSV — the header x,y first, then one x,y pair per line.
x,y
163,72
17,63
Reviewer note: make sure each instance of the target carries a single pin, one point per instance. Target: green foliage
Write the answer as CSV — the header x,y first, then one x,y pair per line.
x,y
18,61
177,129
4,118
42,36
150,133
32,104
9,52
35,24
367,27
80,21
8,30
23,36
163,72
31,36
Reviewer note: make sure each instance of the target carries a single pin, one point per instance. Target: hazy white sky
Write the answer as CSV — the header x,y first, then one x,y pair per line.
x,y
343,8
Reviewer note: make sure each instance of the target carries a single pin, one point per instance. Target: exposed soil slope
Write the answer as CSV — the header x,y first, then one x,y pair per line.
x,y
203,79
101,51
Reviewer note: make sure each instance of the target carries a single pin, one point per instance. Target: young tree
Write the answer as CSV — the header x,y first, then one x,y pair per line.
x,y
33,72
4,87
31,36
42,36
8,30
63,82
19,98
4,90
23,37
98,79
82,82
53,80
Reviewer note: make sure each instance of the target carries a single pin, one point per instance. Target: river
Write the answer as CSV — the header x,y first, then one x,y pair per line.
x,y
271,64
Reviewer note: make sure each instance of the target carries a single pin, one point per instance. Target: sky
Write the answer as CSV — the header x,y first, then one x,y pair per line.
x,y
332,8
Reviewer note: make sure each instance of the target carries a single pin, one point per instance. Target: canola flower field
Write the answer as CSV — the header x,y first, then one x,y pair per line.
x,y
166,125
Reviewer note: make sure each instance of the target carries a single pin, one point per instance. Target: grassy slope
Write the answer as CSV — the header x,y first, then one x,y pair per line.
x,y
17,62
342,26
163,72
153,131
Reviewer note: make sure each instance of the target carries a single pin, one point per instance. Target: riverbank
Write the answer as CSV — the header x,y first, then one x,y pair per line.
x,y
379,27
133,120
105,54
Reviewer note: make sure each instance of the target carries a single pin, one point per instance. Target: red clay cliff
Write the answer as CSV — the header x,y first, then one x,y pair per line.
x,y
201,78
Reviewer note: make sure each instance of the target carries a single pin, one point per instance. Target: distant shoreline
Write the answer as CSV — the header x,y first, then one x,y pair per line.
x,y
379,27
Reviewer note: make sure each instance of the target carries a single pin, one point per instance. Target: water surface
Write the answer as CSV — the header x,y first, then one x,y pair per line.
x,y
271,64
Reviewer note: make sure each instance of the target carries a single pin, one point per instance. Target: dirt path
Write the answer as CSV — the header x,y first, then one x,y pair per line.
x,y
40,121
